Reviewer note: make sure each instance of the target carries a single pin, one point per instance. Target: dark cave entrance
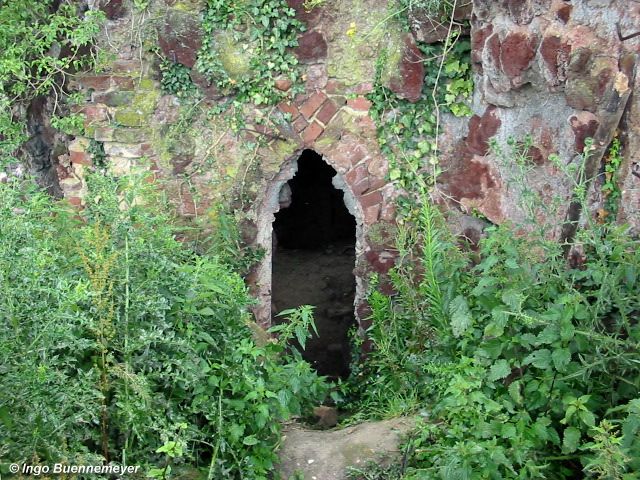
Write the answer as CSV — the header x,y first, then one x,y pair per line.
x,y
313,260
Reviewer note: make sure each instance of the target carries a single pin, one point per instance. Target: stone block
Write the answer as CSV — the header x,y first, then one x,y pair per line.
x,y
125,150
114,98
359,104
80,158
79,144
130,135
103,134
130,118
180,36
408,83
311,47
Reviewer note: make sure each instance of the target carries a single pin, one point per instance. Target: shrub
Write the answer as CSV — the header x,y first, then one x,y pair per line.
x,y
523,364
117,340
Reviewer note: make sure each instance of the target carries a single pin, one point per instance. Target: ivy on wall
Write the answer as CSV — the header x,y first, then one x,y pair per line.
x,y
247,46
41,44
407,132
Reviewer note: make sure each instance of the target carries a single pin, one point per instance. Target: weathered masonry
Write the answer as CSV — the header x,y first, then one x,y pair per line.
x,y
551,70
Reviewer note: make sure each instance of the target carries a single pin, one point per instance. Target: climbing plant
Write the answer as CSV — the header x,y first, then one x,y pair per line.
x,y
407,131
41,44
247,45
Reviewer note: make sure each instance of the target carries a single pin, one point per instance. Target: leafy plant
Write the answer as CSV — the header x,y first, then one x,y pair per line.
x,y
72,124
407,132
42,43
264,32
534,370
116,332
610,188
176,80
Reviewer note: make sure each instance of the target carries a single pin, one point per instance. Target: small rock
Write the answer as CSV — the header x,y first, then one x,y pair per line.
x,y
327,416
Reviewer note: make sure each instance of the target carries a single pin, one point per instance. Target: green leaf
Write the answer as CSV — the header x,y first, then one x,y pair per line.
x,y
561,358
587,418
460,316
499,370
250,440
514,392
539,358
571,440
207,312
508,430
567,330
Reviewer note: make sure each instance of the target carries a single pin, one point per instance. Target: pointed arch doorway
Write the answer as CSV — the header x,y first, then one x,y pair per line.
x,y
313,258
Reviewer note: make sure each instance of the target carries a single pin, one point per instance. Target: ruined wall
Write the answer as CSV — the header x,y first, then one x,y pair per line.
x,y
559,72
552,69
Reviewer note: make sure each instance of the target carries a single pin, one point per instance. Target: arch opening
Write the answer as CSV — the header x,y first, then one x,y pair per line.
x,y
314,238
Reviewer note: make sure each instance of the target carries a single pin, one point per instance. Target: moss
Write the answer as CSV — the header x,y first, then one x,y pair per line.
x,y
147,84
279,151
189,5
234,58
129,118
145,101
352,59
130,135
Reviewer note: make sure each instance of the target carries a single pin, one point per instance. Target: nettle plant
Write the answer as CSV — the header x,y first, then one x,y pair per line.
x,y
120,343
528,364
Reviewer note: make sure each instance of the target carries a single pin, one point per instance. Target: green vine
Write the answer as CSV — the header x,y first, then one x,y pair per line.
x,y
610,189
247,46
407,132
176,80
41,45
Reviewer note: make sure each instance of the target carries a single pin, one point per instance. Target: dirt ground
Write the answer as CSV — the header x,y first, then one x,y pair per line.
x,y
325,455
323,278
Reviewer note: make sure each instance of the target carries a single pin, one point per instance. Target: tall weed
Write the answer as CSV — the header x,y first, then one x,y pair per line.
x,y
116,339
530,367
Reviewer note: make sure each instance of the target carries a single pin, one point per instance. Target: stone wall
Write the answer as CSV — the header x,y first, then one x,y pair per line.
x,y
552,69
556,71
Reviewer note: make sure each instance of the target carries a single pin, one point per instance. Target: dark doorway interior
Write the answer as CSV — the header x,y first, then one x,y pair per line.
x,y
313,261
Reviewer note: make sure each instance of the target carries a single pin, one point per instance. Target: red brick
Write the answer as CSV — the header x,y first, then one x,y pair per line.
x,y
105,82
96,82
94,113
363,88
326,113
358,179
300,124
375,183
333,86
370,199
286,107
313,131
312,105
75,201
123,83
80,158
283,84
388,212
359,103
371,214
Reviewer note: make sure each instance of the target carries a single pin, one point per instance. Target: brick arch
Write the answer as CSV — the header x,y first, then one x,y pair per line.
x,y
261,283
